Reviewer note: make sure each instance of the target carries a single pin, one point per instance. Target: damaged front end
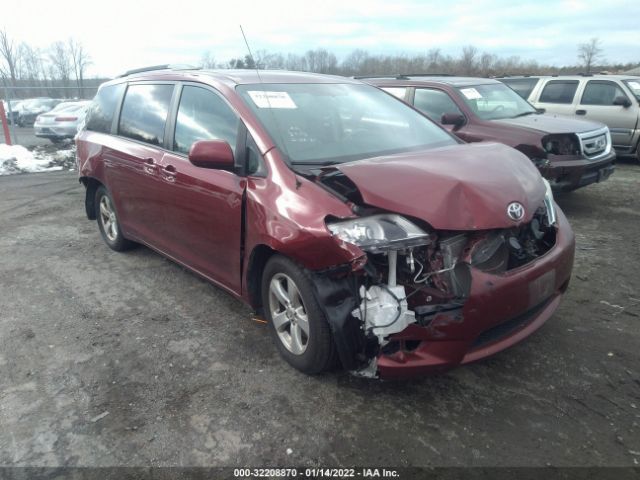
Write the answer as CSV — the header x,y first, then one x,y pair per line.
x,y
414,276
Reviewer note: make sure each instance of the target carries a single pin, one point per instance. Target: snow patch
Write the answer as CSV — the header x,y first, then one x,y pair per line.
x,y
17,159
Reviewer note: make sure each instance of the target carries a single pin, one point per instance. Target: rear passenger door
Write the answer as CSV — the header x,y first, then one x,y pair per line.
x,y
203,209
597,103
558,96
132,169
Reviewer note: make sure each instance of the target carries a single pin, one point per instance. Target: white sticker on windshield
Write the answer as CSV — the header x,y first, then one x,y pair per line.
x,y
471,93
634,85
271,99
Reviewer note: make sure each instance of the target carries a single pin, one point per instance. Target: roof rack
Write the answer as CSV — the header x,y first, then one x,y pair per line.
x,y
153,68
427,75
395,77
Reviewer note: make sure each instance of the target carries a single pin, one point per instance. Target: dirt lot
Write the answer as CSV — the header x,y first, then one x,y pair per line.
x,y
127,359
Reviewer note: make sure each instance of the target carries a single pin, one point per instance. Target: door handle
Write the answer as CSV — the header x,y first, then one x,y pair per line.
x,y
169,173
149,166
581,112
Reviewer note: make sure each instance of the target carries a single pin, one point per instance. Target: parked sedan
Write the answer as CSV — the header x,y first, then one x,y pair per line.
x,y
30,109
62,122
12,110
361,230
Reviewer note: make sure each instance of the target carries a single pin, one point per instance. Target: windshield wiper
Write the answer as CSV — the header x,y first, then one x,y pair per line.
x,y
317,163
524,114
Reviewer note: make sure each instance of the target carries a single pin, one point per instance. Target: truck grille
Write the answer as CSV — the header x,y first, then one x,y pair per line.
x,y
595,144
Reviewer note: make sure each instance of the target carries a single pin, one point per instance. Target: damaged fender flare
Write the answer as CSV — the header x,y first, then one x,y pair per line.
x,y
337,299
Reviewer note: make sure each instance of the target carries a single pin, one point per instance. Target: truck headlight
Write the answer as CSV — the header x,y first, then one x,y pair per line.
x,y
378,233
549,204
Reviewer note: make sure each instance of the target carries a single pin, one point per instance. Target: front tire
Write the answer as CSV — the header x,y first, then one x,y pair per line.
x,y
108,222
296,321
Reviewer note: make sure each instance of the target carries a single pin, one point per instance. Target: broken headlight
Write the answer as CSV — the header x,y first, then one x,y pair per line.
x,y
379,233
549,204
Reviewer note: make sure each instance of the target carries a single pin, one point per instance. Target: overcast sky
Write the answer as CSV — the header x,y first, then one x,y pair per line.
x,y
120,35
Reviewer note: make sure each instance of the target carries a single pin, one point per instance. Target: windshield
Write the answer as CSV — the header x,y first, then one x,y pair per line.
x,y
634,86
495,101
333,123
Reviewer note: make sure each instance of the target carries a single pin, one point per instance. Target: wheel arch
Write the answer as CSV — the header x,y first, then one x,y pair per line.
x,y
258,259
91,186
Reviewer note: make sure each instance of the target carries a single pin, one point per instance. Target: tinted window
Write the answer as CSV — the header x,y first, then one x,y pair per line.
x,y
559,91
103,108
522,86
434,103
601,93
144,112
203,115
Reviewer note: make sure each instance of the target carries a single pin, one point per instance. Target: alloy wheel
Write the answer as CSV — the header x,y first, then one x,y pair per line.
x,y
108,218
288,314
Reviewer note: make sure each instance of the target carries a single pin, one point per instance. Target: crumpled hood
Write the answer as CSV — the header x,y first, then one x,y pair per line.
x,y
547,123
460,187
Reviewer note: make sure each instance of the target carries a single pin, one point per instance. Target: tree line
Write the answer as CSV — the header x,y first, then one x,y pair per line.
x,y
60,70
469,62
57,71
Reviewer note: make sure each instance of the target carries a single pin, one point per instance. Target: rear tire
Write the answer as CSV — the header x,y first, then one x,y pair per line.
x,y
108,222
296,321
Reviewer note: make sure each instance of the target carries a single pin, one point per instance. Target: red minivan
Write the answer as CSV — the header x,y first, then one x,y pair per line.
x,y
365,233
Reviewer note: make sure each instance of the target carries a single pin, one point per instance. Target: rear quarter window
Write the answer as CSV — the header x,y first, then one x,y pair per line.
x,y
103,108
559,91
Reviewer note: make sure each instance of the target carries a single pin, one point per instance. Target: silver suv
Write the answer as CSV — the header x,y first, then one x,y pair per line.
x,y
610,99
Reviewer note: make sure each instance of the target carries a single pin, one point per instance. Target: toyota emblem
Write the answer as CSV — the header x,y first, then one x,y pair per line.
x,y
515,211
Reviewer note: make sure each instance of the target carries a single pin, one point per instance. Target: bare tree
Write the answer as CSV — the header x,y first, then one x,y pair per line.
x,y
32,62
61,64
468,62
486,64
10,56
80,60
355,62
207,60
434,58
590,53
321,61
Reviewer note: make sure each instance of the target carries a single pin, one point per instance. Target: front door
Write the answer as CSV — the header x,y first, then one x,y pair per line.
x,y
203,207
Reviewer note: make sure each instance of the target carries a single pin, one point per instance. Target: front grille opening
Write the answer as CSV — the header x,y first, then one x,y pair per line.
x,y
594,146
499,251
505,329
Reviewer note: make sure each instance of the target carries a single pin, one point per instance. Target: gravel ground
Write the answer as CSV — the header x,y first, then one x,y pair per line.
x,y
128,359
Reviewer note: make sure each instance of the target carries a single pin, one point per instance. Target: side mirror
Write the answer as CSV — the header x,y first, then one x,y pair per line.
x,y
541,110
212,154
455,119
622,101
